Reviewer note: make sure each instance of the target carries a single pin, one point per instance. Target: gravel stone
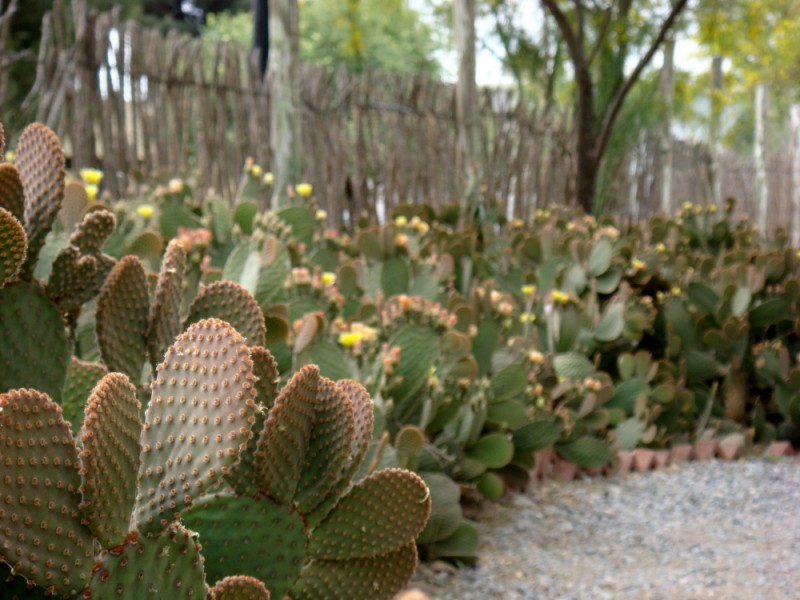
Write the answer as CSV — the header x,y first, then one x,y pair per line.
x,y
722,530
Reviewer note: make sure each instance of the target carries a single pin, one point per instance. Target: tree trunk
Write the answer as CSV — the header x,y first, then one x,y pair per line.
x,y
667,85
261,32
284,83
759,153
466,93
795,124
586,163
715,131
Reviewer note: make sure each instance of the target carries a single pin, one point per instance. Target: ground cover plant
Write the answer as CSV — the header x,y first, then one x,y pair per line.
x,y
479,346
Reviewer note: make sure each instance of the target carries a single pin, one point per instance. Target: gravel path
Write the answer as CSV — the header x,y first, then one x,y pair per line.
x,y
729,531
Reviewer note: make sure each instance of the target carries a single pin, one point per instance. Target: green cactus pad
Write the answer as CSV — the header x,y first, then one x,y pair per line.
x,y
41,535
41,169
379,515
250,536
121,318
328,447
585,452
30,322
169,566
12,194
164,321
110,458
376,578
363,422
284,440
446,515
243,475
418,351
509,383
536,436
572,365
82,376
239,587
495,450
232,303
13,246
199,417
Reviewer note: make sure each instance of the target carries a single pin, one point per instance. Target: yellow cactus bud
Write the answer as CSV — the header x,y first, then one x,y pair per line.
x,y
91,176
401,221
528,290
304,189
145,211
328,278
350,338
91,191
560,297
268,178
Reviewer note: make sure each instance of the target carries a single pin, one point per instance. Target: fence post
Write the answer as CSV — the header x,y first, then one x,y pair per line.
x,y
794,117
715,130
466,93
759,157
667,84
284,88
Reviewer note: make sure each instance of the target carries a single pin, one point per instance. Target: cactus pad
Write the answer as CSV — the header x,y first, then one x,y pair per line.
x,y
266,369
198,419
379,515
169,566
41,169
230,302
376,578
238,587
418,351
110,458
249,536
82,376
29,323
328,447
13,246
284,439
164,323
121,318
41,535
12,194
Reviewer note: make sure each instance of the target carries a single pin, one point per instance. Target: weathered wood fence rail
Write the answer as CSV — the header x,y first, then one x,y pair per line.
x,y
132,99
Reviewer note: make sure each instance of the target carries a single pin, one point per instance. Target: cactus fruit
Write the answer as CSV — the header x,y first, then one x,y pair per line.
x,y
41,168
12,194
239,587
110,458
164,322
121,318
41,534
199,417
13,246
168,566
29,323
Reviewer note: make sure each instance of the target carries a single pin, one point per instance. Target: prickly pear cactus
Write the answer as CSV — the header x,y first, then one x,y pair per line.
x,y
207,378
13,246
239,587
231,302
122,318
40,162
164,322
12,194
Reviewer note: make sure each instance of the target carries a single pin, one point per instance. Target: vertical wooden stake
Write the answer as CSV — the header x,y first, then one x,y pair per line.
x,y
715,131
667,85
759,157
795,141
466,93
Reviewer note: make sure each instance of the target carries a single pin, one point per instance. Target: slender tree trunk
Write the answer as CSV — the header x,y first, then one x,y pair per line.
x,y
587,161
795,124
667,85
261,32
759,153
284,81
715,130
466,97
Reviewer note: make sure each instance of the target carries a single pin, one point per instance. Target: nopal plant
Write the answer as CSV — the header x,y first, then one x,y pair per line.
x,y
216,482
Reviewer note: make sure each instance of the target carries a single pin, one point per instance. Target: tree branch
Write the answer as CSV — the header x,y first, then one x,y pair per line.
x,y
616,103
570,36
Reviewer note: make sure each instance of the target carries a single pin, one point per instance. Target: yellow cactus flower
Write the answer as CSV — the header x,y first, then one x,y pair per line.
x,y
304,189
401,221
328,278
321,215
401,240
10,156
660,247
528,290
535,357
256,171
559,297
527,317
145,211
91,176
687,206
268,178
675,291
637,264
712,208
91,191
350,338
